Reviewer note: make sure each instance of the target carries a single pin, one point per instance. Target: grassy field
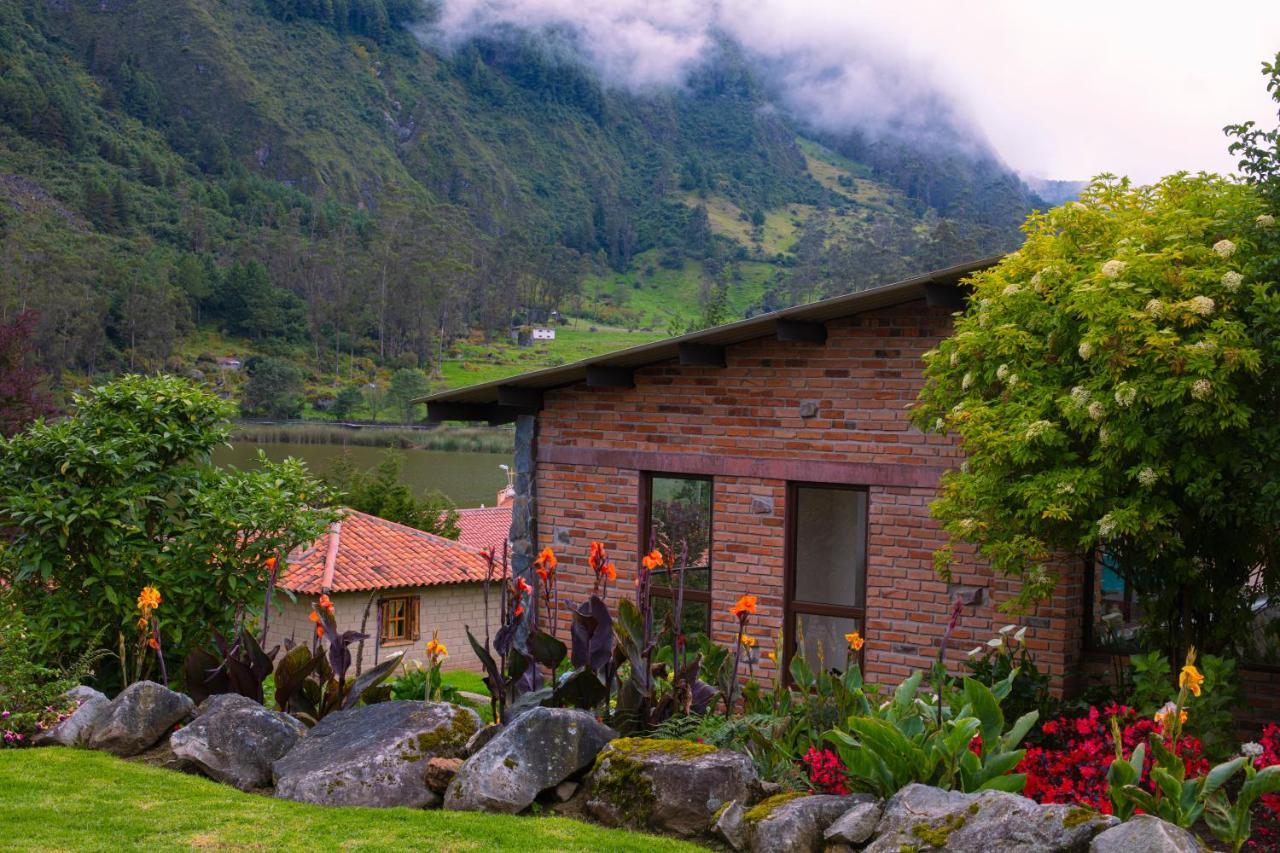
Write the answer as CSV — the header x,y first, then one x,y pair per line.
x,y
473,363
62,799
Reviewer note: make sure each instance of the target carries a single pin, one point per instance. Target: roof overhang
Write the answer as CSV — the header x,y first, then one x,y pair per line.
x,y
500,401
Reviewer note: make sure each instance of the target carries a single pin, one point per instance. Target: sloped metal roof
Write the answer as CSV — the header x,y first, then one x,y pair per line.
x,y
931,285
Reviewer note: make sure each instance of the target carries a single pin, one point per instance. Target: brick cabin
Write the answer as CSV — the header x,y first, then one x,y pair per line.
x,y
790,433
411,582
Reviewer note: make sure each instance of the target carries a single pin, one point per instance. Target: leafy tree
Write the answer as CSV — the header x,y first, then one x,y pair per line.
x,y
406,386
379,491
1107,384
348,400
22,395
122,495
274,389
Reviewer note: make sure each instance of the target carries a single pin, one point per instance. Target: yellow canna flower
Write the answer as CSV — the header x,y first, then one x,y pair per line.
x,y
1191,679
748,641
148,599
771,656
855,641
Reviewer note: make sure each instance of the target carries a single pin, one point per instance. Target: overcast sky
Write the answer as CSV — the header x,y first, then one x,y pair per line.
x,y
1061,90
1070,90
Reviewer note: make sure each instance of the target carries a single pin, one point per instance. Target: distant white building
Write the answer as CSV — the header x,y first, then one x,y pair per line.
x,y
544,333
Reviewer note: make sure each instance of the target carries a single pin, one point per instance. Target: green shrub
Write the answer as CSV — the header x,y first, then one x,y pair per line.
x,y
31,694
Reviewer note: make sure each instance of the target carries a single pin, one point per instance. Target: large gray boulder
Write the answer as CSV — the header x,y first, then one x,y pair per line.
x,y
535,751
235,740
374,755
856,825
1146,834
791,823
89,711
669,785
139,717
923,818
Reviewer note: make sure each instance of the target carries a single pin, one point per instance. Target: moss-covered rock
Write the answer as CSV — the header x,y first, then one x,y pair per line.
x,y
374,755
673,786
921,818
796,822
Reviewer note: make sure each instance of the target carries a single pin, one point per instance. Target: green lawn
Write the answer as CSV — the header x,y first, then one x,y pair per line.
x,y
62,799
465,679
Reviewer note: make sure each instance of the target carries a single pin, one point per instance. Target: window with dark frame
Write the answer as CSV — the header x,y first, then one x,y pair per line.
x,y
826,579
398,619
677,521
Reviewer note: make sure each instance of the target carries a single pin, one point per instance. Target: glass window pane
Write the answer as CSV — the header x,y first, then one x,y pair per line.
x,y
693,579
695,618
831,545
822,639
1117,616
680,518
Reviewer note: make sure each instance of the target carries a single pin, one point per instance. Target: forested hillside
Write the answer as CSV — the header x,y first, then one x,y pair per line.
x,y
304,180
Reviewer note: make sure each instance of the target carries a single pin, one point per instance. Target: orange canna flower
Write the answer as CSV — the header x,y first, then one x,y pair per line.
x,y
314,617
855,641
142,623
652,560
547,559
519,611
610,571
745,607
148,599
270,563
319,630
154,644
522,585
436,649
326,603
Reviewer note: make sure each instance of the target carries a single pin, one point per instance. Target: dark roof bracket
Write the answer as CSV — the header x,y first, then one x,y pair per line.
x,y
701,355
520,398
438,412
606,376
946,295
801,331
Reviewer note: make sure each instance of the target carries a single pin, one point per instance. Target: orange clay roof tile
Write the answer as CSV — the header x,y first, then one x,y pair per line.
x,y
374,553
485,527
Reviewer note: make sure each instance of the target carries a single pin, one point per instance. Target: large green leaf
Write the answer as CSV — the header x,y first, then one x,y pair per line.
x,y
987,709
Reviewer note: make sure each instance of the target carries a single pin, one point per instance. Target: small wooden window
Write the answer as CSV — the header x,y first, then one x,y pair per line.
x,y
827,570
398,619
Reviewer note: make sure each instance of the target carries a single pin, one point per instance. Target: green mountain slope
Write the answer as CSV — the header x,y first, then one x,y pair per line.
x,y
302,178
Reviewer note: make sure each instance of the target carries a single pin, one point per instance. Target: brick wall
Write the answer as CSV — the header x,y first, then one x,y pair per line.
x,y
833,412
447,609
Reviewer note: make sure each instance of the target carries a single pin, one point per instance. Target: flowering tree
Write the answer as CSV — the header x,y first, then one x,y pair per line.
x,y
121,496
1109,385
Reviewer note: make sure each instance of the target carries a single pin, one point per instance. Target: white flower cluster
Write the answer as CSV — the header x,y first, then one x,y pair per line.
x,y
967,524
1202,305
1079,396
1125,395
1038,428
939,425
1065,488
1201,389
1155,308
1011,289
955,357
1205,346
1106,526
1104,435
1266,220
1148,477
1085,349
1002,372
1112,269
1251,749
966,382
1224,248
1096,411
1232,280
1013,379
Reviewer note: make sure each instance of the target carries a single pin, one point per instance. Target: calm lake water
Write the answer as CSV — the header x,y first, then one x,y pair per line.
x,y
469,479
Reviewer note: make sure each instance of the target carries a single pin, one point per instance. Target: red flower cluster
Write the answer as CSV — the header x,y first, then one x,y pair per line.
x,y
1266,820
1070,766
826,771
